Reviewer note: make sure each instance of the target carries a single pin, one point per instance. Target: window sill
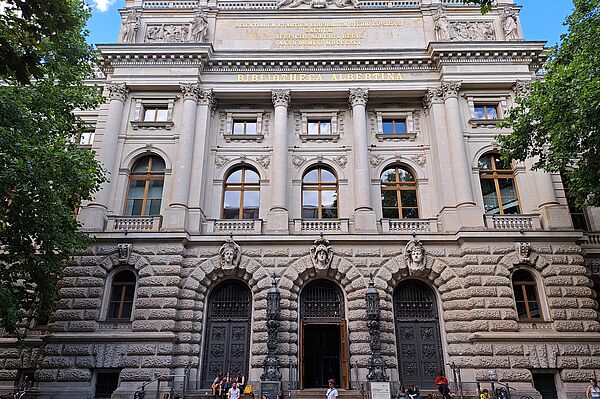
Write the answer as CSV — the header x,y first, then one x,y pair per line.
x,y
486,123
244,138
319,138
115,324
534,324
396,137
166,125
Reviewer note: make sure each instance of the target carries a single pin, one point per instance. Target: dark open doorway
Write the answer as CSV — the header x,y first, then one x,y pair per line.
x,y
322,359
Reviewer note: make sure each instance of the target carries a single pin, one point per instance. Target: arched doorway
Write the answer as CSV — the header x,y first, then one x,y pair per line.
x,y
418,340
227,333
323,335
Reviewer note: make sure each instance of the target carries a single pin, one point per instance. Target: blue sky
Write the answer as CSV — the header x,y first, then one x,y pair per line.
x,y
541,19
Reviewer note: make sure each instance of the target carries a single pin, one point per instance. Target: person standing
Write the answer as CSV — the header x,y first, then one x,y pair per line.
x,y
332,393
593,390
442,383
234,391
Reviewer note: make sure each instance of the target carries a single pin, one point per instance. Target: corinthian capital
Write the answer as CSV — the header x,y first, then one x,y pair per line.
x,y
207,97
450,88
190,91
117,91
432,96
522,88
358,97
281,97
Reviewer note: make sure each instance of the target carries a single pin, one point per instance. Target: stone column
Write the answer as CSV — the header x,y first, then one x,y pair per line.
x,y
552,214
176,215
364,217
278,216
469,214
433,103
200,158
93,215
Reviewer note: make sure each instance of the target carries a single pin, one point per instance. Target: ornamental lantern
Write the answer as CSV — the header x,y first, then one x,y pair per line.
x,y
273,301
372,299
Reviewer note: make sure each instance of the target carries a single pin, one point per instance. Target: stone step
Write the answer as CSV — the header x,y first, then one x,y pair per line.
x,y
313,393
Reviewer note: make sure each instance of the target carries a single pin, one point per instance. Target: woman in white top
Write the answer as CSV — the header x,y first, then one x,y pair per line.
x,y
332,393
234,391
593,391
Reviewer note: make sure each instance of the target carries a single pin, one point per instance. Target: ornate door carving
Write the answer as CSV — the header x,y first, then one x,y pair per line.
x,y
417,334
227,337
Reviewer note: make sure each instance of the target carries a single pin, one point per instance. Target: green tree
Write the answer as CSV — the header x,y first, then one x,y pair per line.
x,y
557,123
44,175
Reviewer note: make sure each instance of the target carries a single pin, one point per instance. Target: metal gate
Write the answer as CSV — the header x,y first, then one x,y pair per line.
x,y
417,334
227,336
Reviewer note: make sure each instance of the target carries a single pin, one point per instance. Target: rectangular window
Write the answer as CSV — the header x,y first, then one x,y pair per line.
x,y
319,127
245,127
86,138
486,111
394,126
106,383
156,113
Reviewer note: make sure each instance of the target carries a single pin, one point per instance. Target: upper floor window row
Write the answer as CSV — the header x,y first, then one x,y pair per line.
x,y
144,192
498,186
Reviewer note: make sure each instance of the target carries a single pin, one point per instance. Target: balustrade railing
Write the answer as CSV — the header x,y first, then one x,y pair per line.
x,y
234,226
409,225
513,222
591,239
133,223
333,226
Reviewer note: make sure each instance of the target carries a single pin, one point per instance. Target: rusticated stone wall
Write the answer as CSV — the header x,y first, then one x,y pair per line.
x,y
480,330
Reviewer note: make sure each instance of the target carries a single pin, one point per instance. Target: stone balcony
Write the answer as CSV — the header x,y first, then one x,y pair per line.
x,y
133,223
326,226
409,226
233,226
591,240
513,222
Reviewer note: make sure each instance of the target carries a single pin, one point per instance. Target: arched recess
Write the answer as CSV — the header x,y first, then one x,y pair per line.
x,y
227,338
195,290
436,273
418,333
353,286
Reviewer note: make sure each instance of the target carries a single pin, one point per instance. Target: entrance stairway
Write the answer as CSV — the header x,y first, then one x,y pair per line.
x,y
312,393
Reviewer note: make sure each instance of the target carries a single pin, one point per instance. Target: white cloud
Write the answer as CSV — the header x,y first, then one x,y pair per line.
x,y
103,5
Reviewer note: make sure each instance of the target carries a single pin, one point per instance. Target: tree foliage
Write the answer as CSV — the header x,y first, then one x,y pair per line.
x,y
486,5
558,122
44,175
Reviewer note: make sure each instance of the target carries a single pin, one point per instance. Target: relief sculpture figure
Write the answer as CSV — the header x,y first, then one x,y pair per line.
x,y
509,24
130,27
198,27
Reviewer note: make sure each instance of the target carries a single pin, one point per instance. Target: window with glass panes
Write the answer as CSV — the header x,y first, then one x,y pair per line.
x,y
146,180
394,126
526,295
122,293
319,127
156,113
486,111
244,127
319,194
498,186
577,212
399,194
241,194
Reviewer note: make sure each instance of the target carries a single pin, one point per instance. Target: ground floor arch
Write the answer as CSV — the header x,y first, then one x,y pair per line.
x,y
418,338
227,332
323,335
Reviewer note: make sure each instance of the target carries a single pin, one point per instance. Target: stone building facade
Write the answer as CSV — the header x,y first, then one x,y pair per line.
x,y
322,143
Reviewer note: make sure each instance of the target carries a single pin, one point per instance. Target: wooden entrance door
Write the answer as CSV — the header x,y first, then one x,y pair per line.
x,y
227,334
323,336
418,338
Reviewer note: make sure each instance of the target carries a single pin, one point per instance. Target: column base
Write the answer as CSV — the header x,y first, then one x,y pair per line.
x,y
194,221
175,218
470,216
365,221
555,217
93,218
278,222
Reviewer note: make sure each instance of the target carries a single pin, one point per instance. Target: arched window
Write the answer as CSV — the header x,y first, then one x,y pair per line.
x,y
498,186
122,292
399,194
319,194
526,295
146,180
241,194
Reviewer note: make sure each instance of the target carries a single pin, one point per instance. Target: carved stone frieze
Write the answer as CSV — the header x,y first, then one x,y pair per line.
x,y
341,160
117,91
230,254
193,32
298,161
375,160
318,3
472,30
221,160
419,159
358,97
190,91
321,253
264,161
281,98
522,88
